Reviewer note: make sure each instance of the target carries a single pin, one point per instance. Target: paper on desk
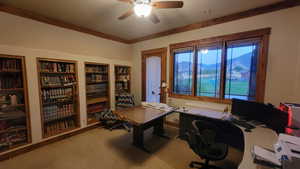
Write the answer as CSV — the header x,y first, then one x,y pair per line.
x,y
293,147
266,155
289,139
204,112
158,106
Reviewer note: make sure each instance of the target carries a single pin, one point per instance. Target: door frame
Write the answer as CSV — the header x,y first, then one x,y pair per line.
x,y
162,53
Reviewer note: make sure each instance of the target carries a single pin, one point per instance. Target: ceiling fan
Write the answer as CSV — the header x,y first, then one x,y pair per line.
x,y
143,8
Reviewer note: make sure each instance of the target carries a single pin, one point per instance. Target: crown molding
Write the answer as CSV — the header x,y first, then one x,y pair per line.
x,y
232,17
236,16
34,16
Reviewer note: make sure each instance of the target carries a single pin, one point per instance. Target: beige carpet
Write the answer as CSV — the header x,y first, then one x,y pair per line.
x,y
103,149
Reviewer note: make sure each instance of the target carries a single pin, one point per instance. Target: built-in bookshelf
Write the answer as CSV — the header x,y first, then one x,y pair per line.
x,y
97,89
14,111
58,86
122,81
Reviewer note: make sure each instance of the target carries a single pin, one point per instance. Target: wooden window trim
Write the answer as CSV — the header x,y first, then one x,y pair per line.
x,y
262,34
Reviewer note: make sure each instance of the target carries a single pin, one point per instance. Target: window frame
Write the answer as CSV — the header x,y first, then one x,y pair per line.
x,y
261,34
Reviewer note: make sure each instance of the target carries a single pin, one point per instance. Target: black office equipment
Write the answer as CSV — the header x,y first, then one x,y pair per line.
x,y
278,120
243,124
202,140
265,113
250,110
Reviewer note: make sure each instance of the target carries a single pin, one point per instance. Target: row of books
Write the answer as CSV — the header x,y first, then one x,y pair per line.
x,y
54,128
58,80
10,65
10,82
9,139
57,67
97,88
95,107
122,70
55,112
60,94
96,69
96,78
123,78
122,87
8,99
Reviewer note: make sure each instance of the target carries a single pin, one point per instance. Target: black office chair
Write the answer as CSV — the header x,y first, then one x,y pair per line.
x,y
202,140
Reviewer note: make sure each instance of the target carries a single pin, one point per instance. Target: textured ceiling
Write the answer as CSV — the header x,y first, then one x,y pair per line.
x,y
101,15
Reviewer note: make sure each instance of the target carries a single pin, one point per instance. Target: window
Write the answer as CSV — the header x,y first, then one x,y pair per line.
x,y
220,68
208,71
241,70
183,66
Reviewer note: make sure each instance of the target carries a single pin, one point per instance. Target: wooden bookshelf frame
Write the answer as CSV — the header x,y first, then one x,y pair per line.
x,y
26,98
108,85
76,95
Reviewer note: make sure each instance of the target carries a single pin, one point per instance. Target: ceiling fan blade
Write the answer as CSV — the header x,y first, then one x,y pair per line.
x,y
127,14
126,1
153,17
168,4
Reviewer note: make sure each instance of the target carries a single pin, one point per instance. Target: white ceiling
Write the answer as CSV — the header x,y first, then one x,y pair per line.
x,y
101,15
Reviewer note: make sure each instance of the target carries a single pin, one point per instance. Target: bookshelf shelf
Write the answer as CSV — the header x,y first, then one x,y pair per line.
x,y
58,96
12,106
96,72
13,130
14,111
96,82
58,86
12,89
97,100
57,72
58,102
97,89
10,71
59,118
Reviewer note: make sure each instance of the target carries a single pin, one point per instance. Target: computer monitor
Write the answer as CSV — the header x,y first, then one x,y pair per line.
x,y
250,110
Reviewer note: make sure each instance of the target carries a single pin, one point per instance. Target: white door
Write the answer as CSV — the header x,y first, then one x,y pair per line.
x,y
153,79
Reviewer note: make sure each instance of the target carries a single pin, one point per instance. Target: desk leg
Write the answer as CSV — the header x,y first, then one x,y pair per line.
x,y
138,138
159,129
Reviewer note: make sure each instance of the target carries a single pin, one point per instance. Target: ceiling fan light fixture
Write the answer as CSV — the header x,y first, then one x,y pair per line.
x,y
142,9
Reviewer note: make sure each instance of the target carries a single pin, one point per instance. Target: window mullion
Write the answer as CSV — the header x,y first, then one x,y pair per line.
x,y
223,70
195,69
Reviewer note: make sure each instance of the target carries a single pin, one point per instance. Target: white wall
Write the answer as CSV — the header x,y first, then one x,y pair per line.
x,y
282,84
21,36
25,37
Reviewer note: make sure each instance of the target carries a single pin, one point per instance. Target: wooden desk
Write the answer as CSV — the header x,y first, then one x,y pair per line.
x,y
229,133
232,134
142,119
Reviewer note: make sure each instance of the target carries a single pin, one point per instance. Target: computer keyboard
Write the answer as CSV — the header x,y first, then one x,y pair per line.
x,y
242,124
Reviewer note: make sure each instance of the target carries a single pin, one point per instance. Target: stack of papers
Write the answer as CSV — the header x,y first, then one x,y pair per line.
x,y
158,106
265,157
287,147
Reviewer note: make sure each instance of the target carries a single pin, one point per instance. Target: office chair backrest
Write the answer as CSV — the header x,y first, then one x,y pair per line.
x,y
206,130
203,134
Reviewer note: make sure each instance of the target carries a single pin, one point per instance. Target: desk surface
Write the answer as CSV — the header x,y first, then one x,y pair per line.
x,y
259,136
202,112
141,115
